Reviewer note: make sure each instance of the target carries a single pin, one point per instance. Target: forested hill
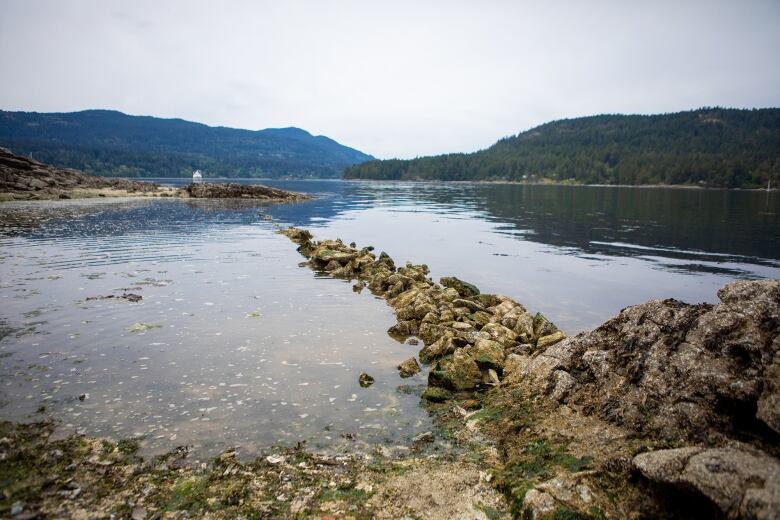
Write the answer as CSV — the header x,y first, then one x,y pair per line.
x,y
110,143
711,146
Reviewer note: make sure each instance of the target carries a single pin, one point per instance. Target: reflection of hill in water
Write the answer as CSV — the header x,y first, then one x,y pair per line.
x,y
680,223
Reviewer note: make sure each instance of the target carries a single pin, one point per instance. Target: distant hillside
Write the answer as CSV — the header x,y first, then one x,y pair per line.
x,y
104,142
711,146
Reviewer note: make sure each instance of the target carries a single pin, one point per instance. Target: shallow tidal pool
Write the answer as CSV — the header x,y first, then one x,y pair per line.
x,y
232,343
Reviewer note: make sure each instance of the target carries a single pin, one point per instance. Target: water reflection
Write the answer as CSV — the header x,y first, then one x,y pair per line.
x,y
233,343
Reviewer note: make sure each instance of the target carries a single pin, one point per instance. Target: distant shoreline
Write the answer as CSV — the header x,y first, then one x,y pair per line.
x,y
581,185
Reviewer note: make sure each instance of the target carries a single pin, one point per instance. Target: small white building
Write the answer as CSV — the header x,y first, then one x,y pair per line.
x,y
197,177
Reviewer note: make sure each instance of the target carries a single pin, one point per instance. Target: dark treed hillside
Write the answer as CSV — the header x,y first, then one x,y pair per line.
x,y
711,146
104,142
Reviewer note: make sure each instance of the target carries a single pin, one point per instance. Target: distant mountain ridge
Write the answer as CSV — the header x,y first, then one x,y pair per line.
x,y
717,147
110,143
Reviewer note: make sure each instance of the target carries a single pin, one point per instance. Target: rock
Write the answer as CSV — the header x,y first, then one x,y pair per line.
x,y
671,370
412,341
139,513
207,190
403,329
560,385
365,380
432,332
497,332
769,402
409,367
550,339
463,289
542,326
457,372
438,349
538,504
470,305
436,395
742,482
487,354
423,437
491,377
297,235
275,459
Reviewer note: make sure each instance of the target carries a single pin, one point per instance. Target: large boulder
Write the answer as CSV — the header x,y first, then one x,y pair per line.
x,y
672,370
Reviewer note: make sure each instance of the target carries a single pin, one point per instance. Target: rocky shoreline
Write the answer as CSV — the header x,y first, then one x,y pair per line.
x,y
667,410
25,179
664,406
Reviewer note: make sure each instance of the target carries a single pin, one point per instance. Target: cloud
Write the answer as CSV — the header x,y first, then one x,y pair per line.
x,y
397,78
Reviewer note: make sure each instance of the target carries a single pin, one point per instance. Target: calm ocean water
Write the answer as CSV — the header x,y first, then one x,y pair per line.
x,y
235,344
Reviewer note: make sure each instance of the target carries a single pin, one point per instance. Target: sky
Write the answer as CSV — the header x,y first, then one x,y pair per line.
x,y
391,78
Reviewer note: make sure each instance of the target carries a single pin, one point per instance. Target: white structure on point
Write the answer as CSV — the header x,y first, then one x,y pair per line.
x,y
197,177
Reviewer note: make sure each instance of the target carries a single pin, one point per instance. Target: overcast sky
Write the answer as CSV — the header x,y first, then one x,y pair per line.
x,y
392,78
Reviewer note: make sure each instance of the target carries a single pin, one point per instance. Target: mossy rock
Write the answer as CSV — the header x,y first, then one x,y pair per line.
x,y
435,394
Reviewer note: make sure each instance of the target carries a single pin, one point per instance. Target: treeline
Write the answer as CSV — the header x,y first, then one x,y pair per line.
x,y
710,147
109,143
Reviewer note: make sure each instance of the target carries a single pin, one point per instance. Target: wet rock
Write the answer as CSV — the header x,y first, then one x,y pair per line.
x,y
423,437
275,459
297,235
209,190
402,329
463,289
409,368
365,380
742,482
436,394
412,341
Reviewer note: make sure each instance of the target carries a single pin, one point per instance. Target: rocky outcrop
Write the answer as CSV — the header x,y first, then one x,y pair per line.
x,y
23,179
704,378
702,375
241,191
671,370
20,175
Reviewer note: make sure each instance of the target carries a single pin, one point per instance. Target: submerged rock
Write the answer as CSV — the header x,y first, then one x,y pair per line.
x,y
365,380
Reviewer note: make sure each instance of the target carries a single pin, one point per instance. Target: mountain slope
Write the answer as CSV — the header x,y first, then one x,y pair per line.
x,y
710,146
105,142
